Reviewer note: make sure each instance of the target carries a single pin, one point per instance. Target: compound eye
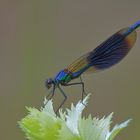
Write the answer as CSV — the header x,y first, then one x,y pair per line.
x,y
48,83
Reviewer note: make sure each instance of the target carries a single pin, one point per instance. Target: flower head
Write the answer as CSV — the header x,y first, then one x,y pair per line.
x,y
44,124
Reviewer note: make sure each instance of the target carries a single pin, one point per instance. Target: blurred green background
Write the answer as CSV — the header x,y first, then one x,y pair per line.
x,y
39,38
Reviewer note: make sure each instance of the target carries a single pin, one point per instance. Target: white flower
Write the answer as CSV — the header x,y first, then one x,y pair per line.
x,y
46,125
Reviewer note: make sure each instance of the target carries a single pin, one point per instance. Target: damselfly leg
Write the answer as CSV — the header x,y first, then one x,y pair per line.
x,y
65,98
83,87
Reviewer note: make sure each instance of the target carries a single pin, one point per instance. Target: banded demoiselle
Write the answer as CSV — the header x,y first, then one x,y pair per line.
x,y
104,56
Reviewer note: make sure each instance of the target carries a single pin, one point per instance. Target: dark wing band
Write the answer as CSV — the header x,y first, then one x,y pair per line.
x,y
111,51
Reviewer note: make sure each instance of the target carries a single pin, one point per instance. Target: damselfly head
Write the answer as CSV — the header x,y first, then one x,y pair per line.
x,y
49,83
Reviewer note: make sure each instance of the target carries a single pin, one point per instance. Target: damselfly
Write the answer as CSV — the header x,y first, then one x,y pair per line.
x,y
107,54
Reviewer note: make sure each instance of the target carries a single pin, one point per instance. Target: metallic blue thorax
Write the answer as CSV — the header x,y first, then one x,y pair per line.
x,y
63,77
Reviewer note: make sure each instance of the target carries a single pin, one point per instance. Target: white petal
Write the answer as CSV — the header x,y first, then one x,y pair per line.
x,y
74,114
117,129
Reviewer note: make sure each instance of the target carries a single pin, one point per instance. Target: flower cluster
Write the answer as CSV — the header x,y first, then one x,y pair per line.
x,y
44,124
